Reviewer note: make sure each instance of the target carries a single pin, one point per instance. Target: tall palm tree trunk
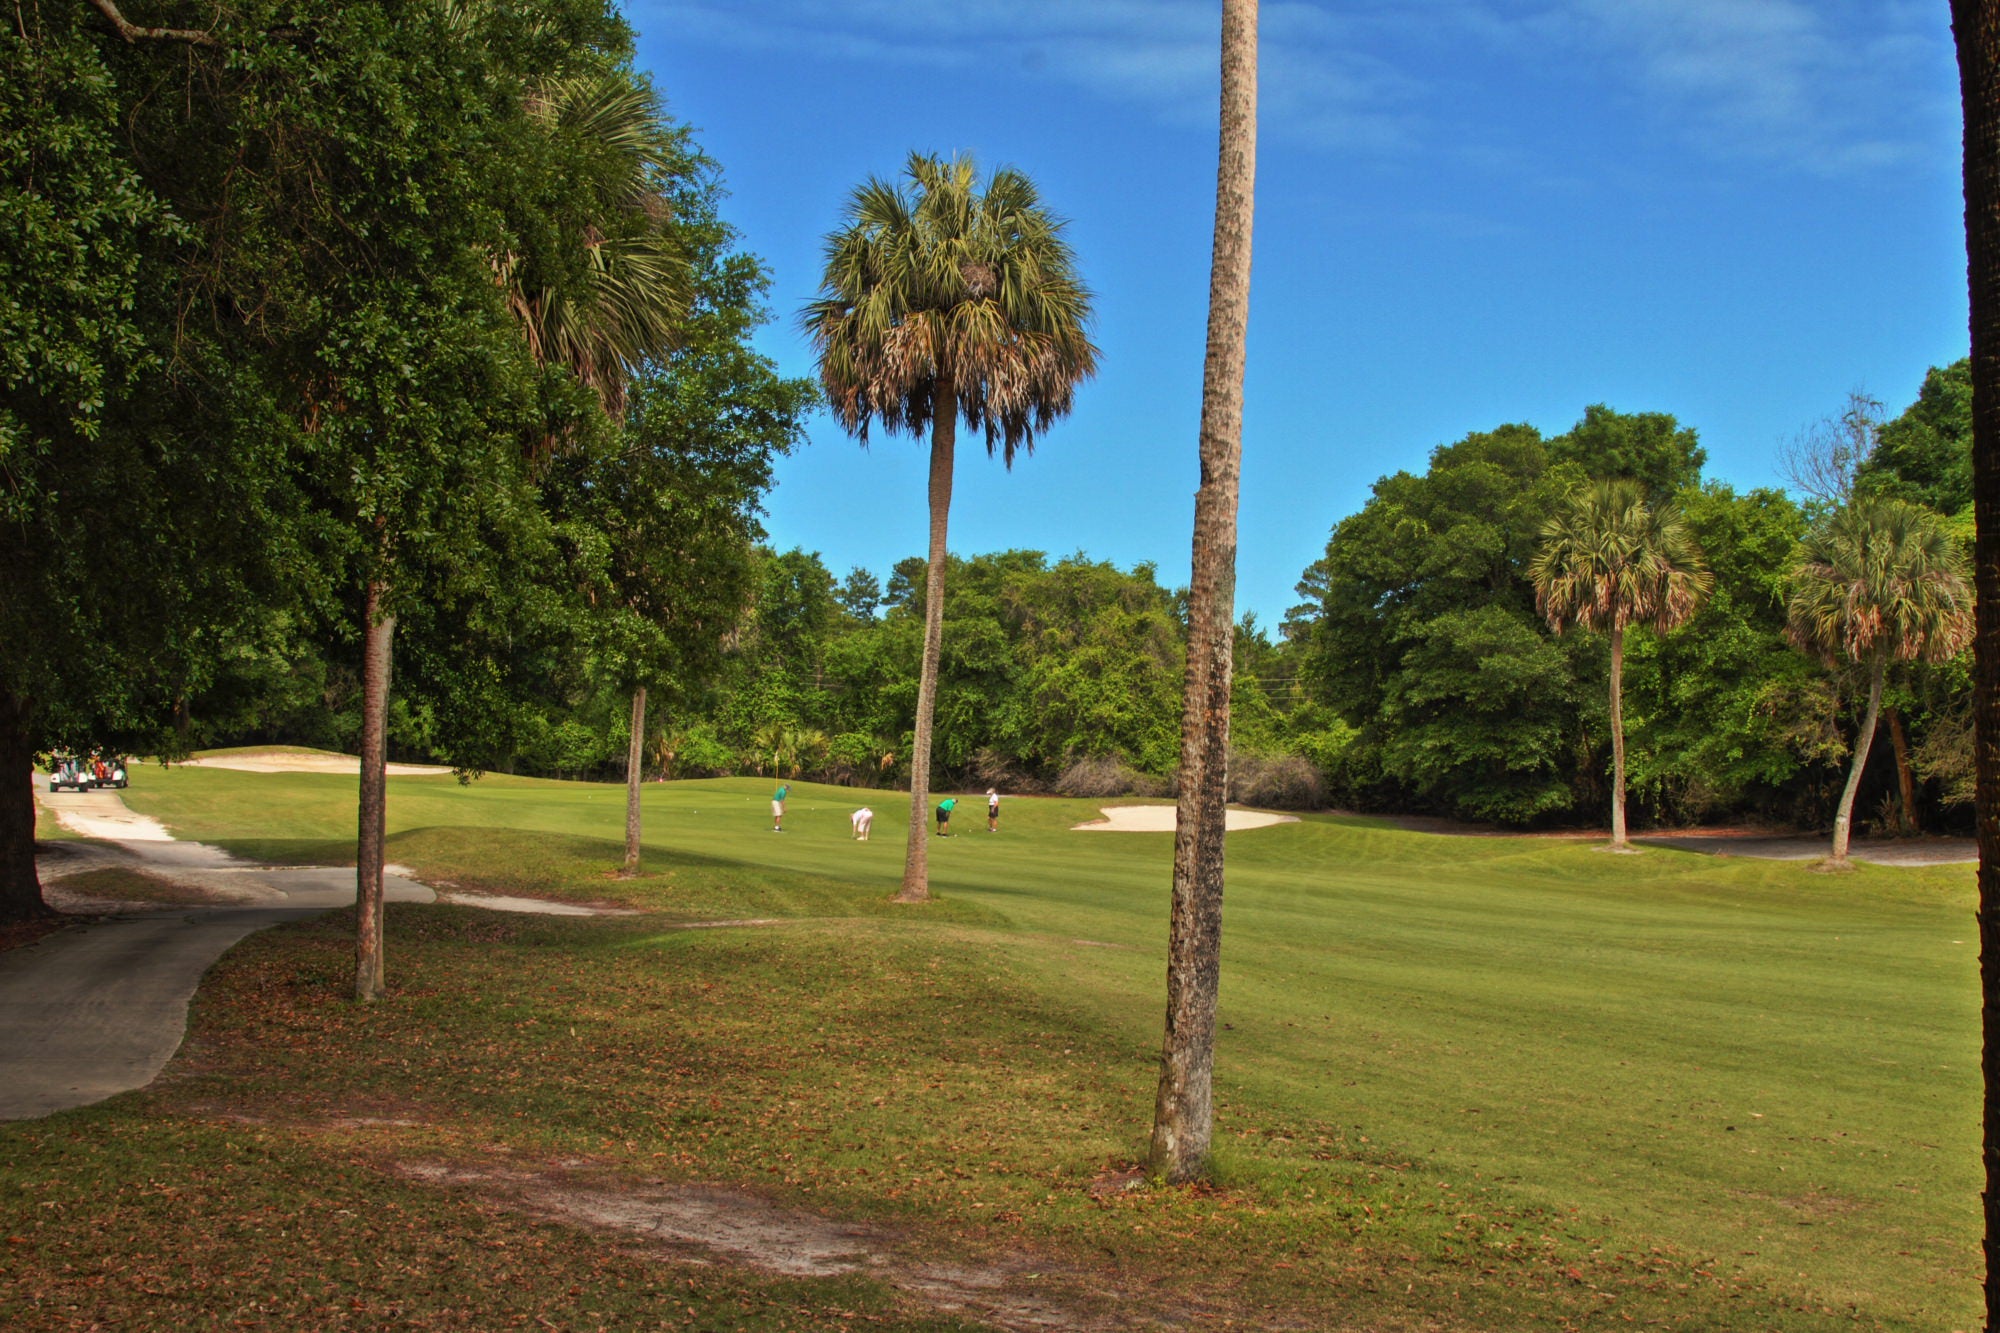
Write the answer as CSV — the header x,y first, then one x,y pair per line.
x,y
20,886
1618,842
1184,1110
1976,28
1906,780
944,441
1843,819
378,637
635,755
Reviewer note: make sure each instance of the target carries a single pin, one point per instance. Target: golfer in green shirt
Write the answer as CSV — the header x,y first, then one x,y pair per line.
x,y
944,815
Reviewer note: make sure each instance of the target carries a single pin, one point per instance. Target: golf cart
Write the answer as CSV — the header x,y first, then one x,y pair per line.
x,y
108,772
66,772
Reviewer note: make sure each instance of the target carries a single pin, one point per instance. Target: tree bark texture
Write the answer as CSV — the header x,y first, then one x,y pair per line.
x,y
379,634
1618,737
1976,28
1184,1111
1906,780
944,442
1843,819
20,886
635,755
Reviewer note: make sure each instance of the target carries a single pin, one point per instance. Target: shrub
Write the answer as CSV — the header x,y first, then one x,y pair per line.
x,y
1278,782
1106,775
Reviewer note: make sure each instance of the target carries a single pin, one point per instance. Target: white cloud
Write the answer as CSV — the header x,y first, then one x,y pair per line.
x,y
1823,86
1830,87
1317,85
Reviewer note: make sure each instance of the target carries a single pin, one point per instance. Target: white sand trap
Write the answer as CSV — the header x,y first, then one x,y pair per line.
x,y
1160,819
306,761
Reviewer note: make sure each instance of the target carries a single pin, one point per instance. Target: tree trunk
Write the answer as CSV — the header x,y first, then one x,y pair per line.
x,y
1906,780
1184,1111
1976,28
1843,819
944,441
635,756
1618,842
20,886
378,635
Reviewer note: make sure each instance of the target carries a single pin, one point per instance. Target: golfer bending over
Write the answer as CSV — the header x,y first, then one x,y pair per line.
x,y
944,815
863,820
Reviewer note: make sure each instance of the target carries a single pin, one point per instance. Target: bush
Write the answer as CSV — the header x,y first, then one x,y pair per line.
x,y
1106,775
1277,782
991,768
696,753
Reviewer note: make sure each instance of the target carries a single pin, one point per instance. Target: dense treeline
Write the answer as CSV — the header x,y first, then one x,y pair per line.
x,y
1422,631
1418,676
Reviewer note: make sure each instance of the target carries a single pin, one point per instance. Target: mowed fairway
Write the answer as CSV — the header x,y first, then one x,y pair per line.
x,y
1729,1094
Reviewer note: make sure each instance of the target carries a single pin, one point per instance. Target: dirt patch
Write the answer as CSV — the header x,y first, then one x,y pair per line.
x,y
712,1224
724,925
500,902
1809,1207
111,888
21,934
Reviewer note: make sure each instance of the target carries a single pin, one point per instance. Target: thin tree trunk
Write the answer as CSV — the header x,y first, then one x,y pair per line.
x,y
1618,842
635,756
1976,28
20,886
379,634
1184,1111
1843,819
1906,779
944,441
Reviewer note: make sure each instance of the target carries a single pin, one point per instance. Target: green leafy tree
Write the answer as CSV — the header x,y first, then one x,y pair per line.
x,y
1610,561
143,507
1650,449
1706,708
944,300
1878,580
1422,634
1925,454
663,522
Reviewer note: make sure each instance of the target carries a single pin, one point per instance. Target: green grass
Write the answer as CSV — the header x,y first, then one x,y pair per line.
x,y
1482,1082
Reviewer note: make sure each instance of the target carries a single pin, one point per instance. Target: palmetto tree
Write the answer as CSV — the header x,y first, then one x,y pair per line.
x,y
1609,560
942,300
615,287
1878,580
1184,1103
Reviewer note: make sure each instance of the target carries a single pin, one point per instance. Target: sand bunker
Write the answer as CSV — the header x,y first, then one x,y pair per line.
x,y
1160,819
304,761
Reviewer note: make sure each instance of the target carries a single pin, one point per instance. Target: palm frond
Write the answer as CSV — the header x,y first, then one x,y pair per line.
x,y
935,277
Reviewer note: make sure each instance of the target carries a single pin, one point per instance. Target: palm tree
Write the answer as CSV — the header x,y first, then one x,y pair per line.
x,y
1609,560
943,300
1184,1106
1879,579
1975,26
626,284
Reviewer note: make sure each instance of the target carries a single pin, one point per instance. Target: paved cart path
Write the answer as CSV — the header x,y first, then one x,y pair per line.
x,y
97,1009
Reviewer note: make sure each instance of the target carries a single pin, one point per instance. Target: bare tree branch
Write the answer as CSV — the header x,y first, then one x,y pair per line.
x,y
1822,462
131,32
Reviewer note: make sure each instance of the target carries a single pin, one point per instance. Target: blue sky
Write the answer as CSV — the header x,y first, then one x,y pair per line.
x,y
1469,212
